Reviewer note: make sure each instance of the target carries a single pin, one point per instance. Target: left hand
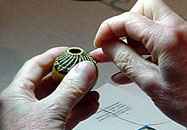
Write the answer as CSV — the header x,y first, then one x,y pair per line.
x,y
34,101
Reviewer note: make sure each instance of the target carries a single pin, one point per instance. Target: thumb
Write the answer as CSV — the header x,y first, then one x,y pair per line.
x,y
74,86
143,72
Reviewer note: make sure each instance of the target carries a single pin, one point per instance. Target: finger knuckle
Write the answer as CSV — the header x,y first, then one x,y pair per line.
x,y
32,60
73,85
173,38
105,23
123,60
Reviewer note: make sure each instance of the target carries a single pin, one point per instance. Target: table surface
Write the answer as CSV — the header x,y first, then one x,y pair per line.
x,y
29,27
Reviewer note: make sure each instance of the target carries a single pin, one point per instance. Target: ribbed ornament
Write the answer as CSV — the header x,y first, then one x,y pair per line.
x,y
68,59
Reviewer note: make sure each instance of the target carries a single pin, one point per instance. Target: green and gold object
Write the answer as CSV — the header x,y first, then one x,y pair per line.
x,y
67,60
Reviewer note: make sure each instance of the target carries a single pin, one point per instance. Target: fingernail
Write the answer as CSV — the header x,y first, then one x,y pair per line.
x,y
98,38
86,70
96,45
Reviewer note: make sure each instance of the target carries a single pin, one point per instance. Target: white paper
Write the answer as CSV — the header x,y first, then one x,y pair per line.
x,y
126,108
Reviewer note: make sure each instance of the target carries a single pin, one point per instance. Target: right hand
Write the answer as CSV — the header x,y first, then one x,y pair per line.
x,y
163,33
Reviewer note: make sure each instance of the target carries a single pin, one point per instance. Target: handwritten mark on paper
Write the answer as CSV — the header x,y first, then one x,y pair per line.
x,y
112,111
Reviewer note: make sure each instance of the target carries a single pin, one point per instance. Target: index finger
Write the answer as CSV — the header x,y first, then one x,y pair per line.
x,y
37,67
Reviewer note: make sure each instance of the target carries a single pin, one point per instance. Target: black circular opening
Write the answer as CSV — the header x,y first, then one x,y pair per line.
x,y
75,50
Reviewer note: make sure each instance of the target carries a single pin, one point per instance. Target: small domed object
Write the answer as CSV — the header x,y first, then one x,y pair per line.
x,y
67,60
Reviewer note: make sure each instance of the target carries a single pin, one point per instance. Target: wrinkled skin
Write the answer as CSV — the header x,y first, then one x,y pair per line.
x,y
34,101
151,27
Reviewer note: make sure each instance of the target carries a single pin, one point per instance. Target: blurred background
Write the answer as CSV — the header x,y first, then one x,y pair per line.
x,y
30,27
